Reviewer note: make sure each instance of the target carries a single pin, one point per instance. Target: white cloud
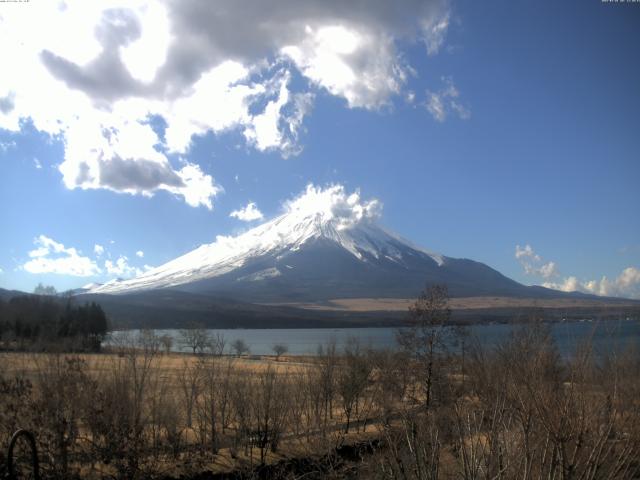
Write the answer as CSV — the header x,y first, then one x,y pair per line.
x,y
248,213
435,29
37,163
92,74
335,204
445,102
533,263
140,254
359,65
548,270
53,257
278,126
526,252
627,285
98,249
197,187
1,271
122,158
4,146
122,269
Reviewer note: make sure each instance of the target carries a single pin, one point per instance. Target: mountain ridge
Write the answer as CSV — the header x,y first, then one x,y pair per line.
x,y
319,254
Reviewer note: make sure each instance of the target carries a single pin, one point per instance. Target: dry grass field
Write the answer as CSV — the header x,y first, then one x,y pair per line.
x,y
193,412
171,365
466,303
516,411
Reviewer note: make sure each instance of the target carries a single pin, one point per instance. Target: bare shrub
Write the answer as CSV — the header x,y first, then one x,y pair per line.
x,y
240,347
57,406
117,415
196,338
279,349
352,380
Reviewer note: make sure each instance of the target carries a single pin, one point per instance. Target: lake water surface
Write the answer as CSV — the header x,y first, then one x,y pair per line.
x,y
303,341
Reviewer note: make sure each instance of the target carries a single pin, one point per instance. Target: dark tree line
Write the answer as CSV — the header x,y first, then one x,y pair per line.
x,y
46,320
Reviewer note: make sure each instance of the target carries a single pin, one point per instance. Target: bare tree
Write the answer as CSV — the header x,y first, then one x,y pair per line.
x,y
424,339
391,382
327,360
279,349
353,378
148,340
240,347
196,338
117,414
268,410
217,344
167,342
190,384
209,401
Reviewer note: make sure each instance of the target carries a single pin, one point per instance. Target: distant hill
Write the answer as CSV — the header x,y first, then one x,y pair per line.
x,y
177,309
8,294
167,308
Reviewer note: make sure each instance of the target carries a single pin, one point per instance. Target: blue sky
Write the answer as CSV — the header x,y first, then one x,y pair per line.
x,y
507,133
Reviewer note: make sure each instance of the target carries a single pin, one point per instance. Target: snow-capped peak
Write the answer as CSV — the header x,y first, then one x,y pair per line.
x,y
328,214
333,205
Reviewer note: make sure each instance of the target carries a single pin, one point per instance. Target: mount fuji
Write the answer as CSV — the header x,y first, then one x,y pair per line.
x,y
327,245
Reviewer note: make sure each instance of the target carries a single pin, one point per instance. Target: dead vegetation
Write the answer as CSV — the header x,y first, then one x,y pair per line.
x,y
518,410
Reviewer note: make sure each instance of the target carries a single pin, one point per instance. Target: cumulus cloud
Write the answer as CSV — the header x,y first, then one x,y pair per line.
x,y
335,204
533,264
278,126
347,48
122,269
445,102
627,284
247,214
140,254
93,74
98,249
53,257
122,158
526,252
350,63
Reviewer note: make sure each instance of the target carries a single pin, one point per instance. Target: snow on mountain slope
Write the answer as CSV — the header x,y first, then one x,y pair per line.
x,y
326,245
328,214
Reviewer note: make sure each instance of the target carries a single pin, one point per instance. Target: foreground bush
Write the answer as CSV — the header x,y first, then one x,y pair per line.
x,y
517,410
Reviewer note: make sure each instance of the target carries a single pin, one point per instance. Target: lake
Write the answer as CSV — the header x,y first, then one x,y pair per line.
x,y
305,341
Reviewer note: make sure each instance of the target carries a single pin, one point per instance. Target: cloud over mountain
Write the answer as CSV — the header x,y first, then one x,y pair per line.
x,y
334,204
627,284
96,75
533,264
247,214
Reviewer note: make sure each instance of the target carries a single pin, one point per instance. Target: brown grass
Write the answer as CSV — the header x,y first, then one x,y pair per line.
x,y
465,303
171,365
